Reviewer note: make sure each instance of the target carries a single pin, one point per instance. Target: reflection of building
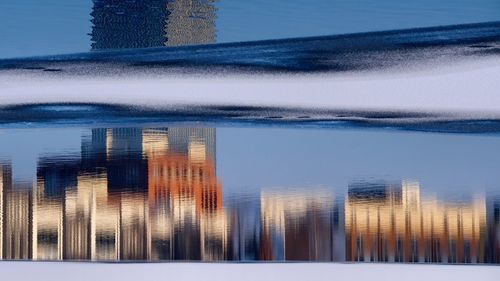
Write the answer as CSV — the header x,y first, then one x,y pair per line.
x,y
125,165
183,175
3,177
190,22
152,23
153,194
394,223
15,217
48,214
297,226
245,231
4,182
184,169
493,211
198,143
136,194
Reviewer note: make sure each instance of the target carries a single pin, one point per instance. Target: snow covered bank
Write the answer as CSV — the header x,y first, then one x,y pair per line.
x,y
469,89
241,272
450,70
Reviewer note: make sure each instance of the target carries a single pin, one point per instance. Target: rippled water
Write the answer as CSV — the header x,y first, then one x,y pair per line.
x,y
93,182
248,194
33,27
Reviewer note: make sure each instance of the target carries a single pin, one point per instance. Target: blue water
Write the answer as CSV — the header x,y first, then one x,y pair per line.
x,y
95,182
34,27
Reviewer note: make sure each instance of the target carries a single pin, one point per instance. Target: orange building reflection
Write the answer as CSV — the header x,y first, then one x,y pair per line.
x,y
183,174
178,176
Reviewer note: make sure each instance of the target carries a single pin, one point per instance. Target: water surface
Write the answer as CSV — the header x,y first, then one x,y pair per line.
x,y
196,193
32,27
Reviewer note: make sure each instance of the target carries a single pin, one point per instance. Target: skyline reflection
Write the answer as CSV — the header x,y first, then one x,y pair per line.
x,y
395,223
153,194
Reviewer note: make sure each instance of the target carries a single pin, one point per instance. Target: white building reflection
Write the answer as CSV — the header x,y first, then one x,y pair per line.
x,y
395,223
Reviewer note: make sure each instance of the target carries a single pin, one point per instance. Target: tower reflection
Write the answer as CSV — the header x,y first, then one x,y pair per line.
x,y
152,23
299,226
153,194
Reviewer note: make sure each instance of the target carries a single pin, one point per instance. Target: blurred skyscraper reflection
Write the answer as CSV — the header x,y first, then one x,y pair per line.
x,y
299,226
152,23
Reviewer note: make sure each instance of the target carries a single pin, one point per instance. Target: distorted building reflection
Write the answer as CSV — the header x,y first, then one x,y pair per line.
x,y
152,23
153,194
190,22
16,215
395,223
245,222
301,226
493,220
134,194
